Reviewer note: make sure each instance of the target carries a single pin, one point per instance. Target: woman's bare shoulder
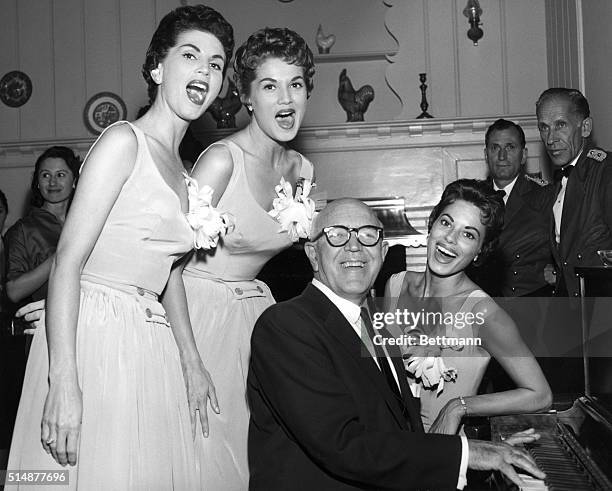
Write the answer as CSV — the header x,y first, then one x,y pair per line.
x,y
494,316
216,160
113,153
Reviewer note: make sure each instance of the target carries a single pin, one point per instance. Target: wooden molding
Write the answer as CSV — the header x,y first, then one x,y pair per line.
x,y
24,153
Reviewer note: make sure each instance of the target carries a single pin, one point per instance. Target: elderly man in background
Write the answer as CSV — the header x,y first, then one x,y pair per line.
x,y
327,410
582,192
580,211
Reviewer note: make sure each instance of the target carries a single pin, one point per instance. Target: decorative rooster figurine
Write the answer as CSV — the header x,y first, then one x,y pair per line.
x,y
224,109
355,103
324,43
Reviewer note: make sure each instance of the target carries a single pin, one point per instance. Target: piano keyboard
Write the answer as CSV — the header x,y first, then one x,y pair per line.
x,y
568,464
562,470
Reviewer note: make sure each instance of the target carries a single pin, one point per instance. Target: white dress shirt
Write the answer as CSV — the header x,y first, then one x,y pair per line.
x,y
558,206
352,313
507,189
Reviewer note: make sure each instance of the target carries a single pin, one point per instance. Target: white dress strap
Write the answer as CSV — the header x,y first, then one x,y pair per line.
x,y
307,169
472,299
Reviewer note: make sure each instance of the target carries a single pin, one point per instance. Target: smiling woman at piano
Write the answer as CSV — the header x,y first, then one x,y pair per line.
x,y
460,327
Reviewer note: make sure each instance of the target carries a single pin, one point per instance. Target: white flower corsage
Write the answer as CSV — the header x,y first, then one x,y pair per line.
x,y
431,370
295,214
207,222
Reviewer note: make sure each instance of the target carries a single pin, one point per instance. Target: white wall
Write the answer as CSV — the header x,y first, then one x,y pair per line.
x,y
73,49
597,35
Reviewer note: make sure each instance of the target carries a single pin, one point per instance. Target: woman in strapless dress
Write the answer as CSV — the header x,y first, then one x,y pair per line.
x,y
463,228
120,389
273,73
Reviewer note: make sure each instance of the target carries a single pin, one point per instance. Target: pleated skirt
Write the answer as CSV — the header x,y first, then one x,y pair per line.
x,y
135,432
223,315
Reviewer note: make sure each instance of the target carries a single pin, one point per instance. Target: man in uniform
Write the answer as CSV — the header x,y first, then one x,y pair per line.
x,y
581,224
517,267
582,209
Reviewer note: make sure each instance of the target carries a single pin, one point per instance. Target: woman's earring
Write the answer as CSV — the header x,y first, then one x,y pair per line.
x,y
475,258
249,108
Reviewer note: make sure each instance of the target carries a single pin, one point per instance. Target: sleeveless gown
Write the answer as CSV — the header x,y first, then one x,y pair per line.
x,y
224,301
135,432
469,361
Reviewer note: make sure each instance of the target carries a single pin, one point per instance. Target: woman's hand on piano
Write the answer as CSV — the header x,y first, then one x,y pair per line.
x,y
485,456
522,437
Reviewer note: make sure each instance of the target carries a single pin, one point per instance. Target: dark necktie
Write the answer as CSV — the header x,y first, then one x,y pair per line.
x,y
383,361
563,172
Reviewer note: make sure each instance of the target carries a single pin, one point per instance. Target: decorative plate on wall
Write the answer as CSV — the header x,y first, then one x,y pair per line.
x,y
15,88
102,110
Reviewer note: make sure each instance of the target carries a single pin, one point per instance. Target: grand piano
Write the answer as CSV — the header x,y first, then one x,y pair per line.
x,y
575,448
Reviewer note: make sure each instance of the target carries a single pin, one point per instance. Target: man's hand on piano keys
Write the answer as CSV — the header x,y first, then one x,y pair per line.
x,y
486,456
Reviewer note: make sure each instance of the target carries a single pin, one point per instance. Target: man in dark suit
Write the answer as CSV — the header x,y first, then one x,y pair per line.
x,y
521,265
329,411
581,222
517,267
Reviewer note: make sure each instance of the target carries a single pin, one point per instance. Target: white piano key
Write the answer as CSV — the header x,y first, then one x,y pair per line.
x,y
532,483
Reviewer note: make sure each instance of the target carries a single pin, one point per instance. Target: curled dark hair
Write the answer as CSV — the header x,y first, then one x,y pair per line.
x,y
272,42
67,155
580,106
504,124
489,202
187,18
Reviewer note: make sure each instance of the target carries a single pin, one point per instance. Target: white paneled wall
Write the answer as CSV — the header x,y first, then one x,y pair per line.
x,y
502,75
73,49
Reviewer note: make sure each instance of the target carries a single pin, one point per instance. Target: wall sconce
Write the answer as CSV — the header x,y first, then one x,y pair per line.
x,y
473,12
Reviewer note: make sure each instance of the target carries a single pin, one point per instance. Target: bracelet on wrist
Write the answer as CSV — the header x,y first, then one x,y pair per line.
x,y
463,405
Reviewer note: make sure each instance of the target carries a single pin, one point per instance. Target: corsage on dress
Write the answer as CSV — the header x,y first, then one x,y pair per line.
x,y
207,223
426,364
294,213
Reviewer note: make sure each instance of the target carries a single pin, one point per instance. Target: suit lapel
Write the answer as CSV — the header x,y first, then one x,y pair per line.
x,y
411,403
340,329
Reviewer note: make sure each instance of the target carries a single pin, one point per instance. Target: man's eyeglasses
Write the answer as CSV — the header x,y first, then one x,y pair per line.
x,y
339,235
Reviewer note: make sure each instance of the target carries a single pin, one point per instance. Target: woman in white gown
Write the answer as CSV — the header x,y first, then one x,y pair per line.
x,y
121,387
248,170
463,228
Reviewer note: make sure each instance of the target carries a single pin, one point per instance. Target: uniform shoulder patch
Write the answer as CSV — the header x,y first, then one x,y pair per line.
x,y
537,179
597,154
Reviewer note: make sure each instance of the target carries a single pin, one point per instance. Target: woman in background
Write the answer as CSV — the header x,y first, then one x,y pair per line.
x,y
125,380
32,240
463,228
273,73
30,246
